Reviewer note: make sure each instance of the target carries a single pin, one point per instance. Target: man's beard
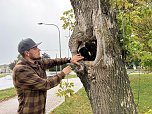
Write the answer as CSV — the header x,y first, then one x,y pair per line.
x,y
33,58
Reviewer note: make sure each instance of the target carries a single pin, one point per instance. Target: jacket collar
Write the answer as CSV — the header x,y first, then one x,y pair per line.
x,y
26,62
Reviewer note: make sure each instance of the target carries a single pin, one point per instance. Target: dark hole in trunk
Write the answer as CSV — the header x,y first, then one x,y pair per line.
x,y
88,50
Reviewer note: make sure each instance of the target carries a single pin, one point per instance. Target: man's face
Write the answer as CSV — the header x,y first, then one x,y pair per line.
x,y
34,53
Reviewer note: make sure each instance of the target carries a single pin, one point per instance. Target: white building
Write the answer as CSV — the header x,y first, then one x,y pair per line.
x,y
4,69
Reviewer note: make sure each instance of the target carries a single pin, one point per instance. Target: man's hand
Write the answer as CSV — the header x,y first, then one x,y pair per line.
x,y
67,70
76,58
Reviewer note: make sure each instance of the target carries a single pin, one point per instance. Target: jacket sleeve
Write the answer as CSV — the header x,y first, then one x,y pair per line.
x,y
26,78
48,63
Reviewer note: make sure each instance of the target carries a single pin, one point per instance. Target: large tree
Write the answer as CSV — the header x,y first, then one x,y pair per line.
x,y
103,74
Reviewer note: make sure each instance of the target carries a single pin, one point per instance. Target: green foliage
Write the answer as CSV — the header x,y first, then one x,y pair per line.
x,y
135,33
149,112
68,20
65,89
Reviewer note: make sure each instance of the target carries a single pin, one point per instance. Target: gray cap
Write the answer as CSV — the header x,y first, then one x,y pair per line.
x,y
26,44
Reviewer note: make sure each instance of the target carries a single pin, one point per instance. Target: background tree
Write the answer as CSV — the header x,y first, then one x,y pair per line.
x,y
45,55
134,19
12,64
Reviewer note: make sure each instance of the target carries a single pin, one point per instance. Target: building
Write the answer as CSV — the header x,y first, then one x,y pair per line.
x,y
5,69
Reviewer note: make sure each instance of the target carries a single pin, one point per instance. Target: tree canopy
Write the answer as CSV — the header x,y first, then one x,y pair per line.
x,y
134,20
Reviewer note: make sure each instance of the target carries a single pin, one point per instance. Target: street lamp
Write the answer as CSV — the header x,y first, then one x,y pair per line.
x,y
68,38
59,37
68,46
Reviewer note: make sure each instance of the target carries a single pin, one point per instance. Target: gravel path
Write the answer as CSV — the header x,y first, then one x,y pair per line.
x,y
10,106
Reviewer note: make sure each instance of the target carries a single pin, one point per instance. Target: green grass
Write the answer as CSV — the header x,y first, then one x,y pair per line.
x,y
143,84
7,93
76,104
79,103
3,75
70,76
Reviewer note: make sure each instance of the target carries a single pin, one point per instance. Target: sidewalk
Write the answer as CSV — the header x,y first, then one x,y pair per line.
x,y
10,106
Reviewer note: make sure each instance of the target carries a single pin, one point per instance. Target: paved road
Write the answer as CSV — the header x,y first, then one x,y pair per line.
x,y
10,106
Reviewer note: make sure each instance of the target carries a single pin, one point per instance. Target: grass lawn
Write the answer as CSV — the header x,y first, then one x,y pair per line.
x,y
79,103
76,104
7,93
70,76
142,84
3,75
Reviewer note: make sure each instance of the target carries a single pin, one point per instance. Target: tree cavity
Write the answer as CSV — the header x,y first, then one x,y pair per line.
x,y
88,50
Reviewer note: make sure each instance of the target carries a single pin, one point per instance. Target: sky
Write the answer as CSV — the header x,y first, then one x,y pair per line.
x,y
18,20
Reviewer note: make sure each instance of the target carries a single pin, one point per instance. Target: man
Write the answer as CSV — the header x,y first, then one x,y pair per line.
x,y
30,80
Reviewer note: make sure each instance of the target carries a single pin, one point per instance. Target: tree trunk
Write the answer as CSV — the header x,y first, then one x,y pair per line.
x,y
104,78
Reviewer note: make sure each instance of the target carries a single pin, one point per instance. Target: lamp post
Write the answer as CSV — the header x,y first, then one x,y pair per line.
x,y
58,35
68,38
68,51
68,46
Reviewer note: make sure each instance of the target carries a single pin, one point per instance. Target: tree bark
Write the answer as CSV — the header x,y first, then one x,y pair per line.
x,y
105,79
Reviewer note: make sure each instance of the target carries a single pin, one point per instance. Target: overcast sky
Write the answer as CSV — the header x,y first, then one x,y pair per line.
x,y
18,20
